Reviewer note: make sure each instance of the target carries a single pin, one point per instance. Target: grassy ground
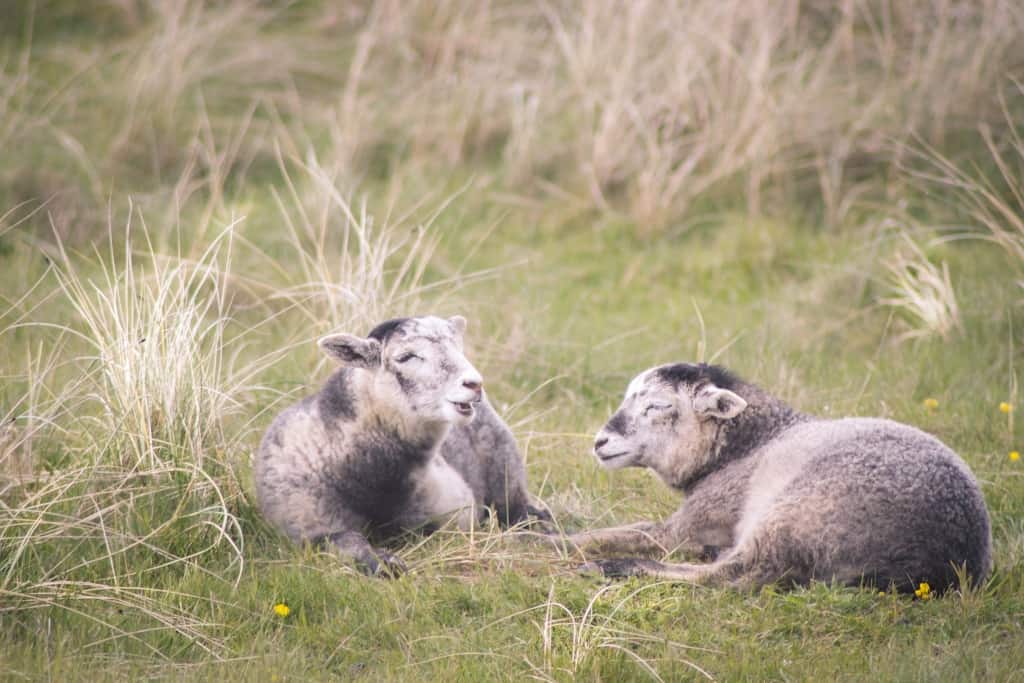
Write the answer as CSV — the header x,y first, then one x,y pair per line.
x,y
826,200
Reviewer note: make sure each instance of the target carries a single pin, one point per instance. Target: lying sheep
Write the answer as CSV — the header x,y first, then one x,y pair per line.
x,y
402,437
779,496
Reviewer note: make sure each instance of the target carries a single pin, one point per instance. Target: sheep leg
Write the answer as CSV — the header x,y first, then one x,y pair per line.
x,y
678,533
642,538
631,566
370,560
736,568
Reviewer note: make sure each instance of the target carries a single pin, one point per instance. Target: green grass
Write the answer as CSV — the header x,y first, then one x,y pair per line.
x,y
130,544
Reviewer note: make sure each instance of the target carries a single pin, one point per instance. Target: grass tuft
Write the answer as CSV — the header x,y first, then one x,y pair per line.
x,y
922,291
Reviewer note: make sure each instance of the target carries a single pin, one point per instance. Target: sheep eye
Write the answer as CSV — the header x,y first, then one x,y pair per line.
x,y
406,357
655,406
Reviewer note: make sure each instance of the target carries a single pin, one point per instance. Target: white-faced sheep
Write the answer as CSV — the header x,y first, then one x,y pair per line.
x,y
401,437
774,495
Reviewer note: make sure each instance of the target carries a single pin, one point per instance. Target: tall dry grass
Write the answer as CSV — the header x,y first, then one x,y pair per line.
x,y
155,333
121,450
922,291
644,108
985,198
122,446
349,269
981,198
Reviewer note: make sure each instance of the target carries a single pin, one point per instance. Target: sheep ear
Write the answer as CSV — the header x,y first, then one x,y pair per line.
x,y
458,324
349,349
712,401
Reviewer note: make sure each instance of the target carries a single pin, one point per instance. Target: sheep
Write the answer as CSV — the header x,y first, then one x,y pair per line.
x,y
775,496
401,437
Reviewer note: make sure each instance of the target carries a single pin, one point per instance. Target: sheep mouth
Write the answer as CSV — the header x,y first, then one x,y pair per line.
x,y
464,409
610,456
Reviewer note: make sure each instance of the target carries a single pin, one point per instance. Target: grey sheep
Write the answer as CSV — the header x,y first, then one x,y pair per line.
x,y
401,437
774,495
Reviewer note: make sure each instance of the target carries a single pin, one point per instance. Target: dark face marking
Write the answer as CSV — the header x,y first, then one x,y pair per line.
x,y
618,424
386,329
405,384
696,375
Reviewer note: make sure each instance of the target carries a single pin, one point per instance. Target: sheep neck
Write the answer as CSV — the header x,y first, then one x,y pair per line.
x,y
764,419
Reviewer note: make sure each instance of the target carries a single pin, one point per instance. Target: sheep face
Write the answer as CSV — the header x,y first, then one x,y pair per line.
x,y
666,424
417,369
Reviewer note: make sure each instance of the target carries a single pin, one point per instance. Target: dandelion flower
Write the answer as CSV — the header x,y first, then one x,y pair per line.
x,y
282,610
931,404
923,591
1005,407
1014,456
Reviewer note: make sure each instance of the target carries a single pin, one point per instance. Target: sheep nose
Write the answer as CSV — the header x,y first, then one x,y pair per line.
x,y
600,442
472,385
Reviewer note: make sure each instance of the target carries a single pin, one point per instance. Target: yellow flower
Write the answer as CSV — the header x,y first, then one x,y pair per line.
x,y
1014,456
931,404
1005,407
282,610
923,591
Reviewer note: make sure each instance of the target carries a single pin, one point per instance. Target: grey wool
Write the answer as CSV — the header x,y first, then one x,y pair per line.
x,y
776,496
401,437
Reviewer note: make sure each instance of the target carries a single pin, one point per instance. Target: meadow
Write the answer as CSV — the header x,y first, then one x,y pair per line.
x,y
826,197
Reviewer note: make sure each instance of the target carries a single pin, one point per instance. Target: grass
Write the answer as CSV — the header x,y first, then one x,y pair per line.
x,y
825,199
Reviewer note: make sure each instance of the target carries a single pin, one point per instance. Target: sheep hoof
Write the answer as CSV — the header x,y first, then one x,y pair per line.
x,y
384,565
539,515
613,569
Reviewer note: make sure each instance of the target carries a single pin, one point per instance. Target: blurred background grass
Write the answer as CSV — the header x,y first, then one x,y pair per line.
x,y
825,196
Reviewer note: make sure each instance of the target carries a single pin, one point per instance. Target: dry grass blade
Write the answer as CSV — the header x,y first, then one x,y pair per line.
x,y
91,600
922,291
992,202
348,270
140,385
155,334
574,638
